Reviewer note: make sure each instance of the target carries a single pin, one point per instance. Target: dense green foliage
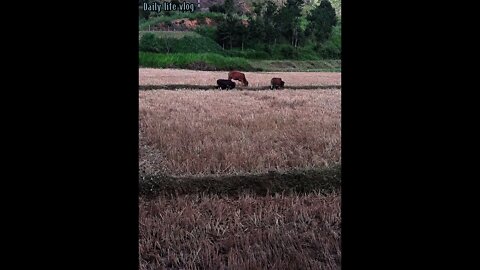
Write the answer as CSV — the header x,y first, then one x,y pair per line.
x,y
269,31
321,21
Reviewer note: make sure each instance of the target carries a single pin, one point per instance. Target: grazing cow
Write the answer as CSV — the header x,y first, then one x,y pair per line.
x,y
277,83
238,76
225,84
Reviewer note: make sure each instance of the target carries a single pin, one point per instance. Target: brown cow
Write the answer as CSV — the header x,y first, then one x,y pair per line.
x,y
276,83
238,76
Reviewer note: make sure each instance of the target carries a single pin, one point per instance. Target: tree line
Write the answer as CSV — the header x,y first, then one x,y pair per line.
x,y
268,25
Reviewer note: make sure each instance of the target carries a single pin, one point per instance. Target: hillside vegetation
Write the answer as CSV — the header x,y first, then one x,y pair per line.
x,y
249,31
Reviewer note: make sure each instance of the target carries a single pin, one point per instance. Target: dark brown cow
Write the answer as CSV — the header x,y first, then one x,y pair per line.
x,y
277,83
225,84
238,76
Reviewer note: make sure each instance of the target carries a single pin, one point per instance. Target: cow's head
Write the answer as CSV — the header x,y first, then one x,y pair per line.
x,y
245,82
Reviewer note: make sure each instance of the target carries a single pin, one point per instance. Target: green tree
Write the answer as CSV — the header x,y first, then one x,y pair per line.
x,y
261,25
321,21
288,21
270,26
225,31
255,31
231,32
229,6
217,8
257,8
241,33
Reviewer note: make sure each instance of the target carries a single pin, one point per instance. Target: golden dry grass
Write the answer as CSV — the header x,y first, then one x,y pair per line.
x,y
211,232
150,76
219,132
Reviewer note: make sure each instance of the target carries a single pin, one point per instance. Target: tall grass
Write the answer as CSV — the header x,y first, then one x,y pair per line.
x,y
202,61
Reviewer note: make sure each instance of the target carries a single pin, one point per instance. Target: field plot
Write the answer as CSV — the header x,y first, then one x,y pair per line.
x,y
239,179
210,232
150,76
219,132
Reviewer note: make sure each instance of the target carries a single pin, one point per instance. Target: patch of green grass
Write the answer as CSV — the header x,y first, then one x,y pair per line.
x,y
198,61
295,65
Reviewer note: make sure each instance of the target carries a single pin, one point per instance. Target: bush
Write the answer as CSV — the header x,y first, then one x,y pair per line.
x,y
285,51
197,45
149,43
249,54
329,51
332,48
206,31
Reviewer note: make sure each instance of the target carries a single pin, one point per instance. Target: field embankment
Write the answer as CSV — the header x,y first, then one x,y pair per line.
x,y
197,61
297,66
233,179
151,76
290,182
191,87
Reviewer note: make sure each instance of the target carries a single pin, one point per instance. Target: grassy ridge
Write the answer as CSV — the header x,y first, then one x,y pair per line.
x,y
199,61
298,181
327,65
214,61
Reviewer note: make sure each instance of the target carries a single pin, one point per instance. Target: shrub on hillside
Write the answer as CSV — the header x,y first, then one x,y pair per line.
x,y
329,51
206,31
287,51
149,43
